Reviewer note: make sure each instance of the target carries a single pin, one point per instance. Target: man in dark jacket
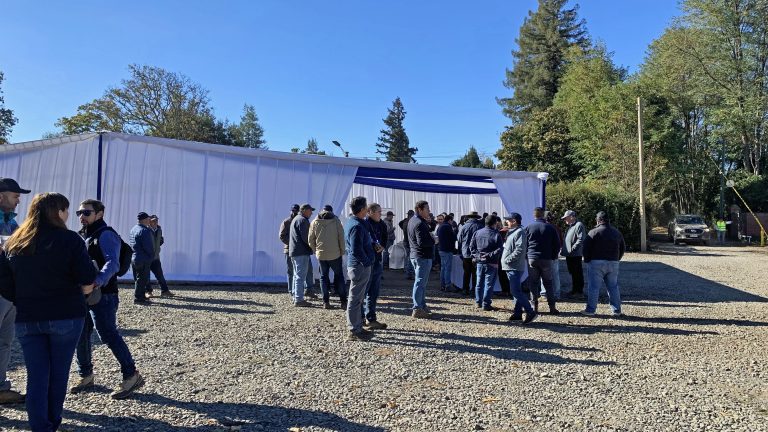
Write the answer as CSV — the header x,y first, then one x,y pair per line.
x,y
285,237
543,247
446,245
360,258
103,245
603,249
143,245
300,252
407,266
378,230
157,267
422,246
486,247
470,227
573,246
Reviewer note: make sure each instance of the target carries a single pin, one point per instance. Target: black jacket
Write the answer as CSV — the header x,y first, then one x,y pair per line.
x,y
420,240
543,241
604,242
94,251
378,232
45,285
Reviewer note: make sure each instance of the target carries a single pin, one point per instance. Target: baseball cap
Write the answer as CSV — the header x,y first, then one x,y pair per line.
x,y
390,213
327,208
295,207
515,216
153,217
142,216
10,185
569,213
307,207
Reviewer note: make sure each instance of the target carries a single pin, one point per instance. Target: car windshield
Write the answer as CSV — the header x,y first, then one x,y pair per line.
x,y
690,220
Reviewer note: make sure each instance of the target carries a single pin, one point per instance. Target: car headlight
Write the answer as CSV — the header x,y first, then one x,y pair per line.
x,y
707,230
678,229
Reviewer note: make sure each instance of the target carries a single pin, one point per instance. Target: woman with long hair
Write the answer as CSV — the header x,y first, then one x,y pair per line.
x,y
46,272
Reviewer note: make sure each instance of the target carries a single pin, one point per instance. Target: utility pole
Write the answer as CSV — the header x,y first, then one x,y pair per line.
x,y
643,239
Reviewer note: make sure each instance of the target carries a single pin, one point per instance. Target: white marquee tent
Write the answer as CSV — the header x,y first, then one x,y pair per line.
x,y
220,206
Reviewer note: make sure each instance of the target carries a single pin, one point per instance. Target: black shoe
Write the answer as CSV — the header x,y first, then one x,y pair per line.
x,y
515,317
489,308
554,311
529,317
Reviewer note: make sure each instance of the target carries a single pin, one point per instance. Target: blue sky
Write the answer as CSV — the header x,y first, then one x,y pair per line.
x,y
327,70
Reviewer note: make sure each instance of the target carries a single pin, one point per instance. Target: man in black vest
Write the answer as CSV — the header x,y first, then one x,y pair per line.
x,y
104,249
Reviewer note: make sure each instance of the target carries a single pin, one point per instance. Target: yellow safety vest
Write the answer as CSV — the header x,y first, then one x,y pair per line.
x,y
720,225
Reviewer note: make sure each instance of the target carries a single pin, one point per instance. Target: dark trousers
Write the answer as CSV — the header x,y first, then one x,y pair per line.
x,y
577,273
541,269
140,279
470,271
338,279
157,269
289,271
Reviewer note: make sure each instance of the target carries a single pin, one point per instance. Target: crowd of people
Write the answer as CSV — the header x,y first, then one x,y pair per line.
x,y
57,286
523,258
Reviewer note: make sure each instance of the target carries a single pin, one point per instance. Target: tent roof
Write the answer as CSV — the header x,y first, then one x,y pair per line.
x,y
476,173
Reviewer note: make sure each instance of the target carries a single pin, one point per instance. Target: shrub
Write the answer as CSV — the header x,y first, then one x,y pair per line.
x,y
589,198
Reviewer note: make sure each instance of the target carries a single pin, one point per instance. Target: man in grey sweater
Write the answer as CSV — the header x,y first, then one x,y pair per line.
x,y
572,251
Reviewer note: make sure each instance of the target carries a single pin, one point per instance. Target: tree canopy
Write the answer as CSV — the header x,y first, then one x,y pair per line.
x,y
393,142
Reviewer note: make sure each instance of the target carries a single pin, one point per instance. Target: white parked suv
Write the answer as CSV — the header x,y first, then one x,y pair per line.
x,y
689,228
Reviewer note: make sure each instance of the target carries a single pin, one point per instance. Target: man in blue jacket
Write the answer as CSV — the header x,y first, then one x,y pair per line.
x,y
422,246
470,227
543,247
486,248
10,194
142,242
301,253
446,244
360,258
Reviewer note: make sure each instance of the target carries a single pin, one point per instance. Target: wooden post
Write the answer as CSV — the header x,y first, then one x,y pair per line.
x,y
643,238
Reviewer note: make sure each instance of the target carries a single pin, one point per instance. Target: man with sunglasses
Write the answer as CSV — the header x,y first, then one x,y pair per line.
x,y
104,249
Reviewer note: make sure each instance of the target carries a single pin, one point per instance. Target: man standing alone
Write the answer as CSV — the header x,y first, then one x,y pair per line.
x,y
422,246
360,257
142,242
603,249
10,193
572,251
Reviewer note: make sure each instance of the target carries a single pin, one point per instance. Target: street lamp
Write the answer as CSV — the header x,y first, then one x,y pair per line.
x,y
338,144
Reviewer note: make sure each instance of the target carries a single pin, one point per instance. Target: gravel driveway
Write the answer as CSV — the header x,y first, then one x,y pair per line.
x,y
690,356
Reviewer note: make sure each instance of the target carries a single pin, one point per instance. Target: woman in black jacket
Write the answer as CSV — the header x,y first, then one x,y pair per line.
x,y
45,271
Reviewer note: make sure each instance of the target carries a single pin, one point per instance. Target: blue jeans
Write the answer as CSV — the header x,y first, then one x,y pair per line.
x,y
372,290
486,281
421,266
446,261
104,316
338,279
301,266
599,272
516,289
48,348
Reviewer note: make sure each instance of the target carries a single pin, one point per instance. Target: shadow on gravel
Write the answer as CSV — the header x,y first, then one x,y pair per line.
x,y
218,301
194,307
527,350
617,328
224,416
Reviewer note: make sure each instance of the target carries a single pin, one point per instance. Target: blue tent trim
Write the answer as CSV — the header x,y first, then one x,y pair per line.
x,y
389,173
423,187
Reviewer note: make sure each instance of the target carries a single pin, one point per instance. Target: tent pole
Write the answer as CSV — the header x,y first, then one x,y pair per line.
x,y
98,178
544,194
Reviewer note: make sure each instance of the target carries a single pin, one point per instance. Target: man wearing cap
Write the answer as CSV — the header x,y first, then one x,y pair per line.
x,y
300,252
470,227
142,241
543,247
389,220
10,194
285,237
326,238
603,249
572,251
486,247
515,263
157,267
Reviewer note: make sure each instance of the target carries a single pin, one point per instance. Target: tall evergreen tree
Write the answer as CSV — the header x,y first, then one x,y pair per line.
x,y
540,60
393,142
248,133
7,119
313,148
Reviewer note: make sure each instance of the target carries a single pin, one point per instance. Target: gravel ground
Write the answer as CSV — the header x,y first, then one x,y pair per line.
x,y
689,356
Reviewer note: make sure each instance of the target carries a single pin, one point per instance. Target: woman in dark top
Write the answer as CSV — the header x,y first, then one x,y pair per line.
x,y
45,271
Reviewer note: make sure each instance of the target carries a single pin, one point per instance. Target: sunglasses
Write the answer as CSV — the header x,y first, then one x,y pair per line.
x,y
85,213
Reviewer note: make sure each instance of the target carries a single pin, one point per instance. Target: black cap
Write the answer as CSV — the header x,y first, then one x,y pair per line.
x,y
10,185
327,208
515,216
389,213
295,208
142,216
307,207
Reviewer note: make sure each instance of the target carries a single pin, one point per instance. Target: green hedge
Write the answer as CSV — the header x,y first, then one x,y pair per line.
x,y
589,198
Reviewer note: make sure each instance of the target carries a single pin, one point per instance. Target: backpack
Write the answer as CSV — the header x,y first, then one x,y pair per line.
x,y
126,252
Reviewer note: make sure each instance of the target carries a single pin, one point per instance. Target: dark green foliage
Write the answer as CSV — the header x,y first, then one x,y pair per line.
x,y
589,198
472,160
754,190
393,142
540,60
312,148
7,119
248,133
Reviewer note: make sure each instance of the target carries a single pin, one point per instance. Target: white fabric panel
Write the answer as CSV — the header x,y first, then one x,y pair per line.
x,y
520,195
220,210
67,165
